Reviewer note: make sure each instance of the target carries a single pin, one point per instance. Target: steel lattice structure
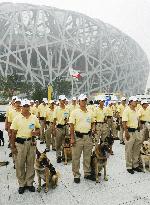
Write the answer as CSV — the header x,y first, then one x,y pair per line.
x,y
40,43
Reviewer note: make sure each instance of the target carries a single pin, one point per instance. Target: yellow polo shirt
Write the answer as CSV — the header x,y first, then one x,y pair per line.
x,y
12,114
109,111
144,114
131,117
139,106
99,114
61,114
42,110
10,108
120,109
81,120
73,107
32,110
49,115
24,126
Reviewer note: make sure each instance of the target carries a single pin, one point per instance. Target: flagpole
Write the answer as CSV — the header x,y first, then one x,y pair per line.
x,y
72,87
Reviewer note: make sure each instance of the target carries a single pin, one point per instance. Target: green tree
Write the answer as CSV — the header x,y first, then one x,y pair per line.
x,y
12,84
61,86
39,92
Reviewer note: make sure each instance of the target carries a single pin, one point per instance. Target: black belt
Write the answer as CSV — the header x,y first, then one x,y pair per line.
x,y
80,135
41,118
109,117
22,140
60,126
132,129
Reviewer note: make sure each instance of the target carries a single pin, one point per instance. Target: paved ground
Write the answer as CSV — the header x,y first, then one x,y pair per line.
x,y
122,188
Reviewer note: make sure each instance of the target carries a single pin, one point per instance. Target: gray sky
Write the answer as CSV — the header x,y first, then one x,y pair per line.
x,y
130,16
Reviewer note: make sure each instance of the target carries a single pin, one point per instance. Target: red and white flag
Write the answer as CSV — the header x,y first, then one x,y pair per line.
x,y
74,73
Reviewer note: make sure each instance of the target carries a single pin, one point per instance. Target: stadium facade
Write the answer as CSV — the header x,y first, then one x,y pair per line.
x,y
41,43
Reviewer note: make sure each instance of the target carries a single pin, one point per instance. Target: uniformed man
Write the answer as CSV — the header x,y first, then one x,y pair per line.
x,y
60,126
24,128
10,108
73,106
13,113
132,136
49,134
102,129
81,124
42,108
144,117
120,110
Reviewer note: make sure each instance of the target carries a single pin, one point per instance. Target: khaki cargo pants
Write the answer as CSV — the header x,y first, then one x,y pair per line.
x,y
61,133
120,135
102,131
132,150
49,136
25,159
42,137
84,145
112,126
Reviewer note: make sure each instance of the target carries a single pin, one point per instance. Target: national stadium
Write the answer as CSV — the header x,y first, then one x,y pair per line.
x,y
41,43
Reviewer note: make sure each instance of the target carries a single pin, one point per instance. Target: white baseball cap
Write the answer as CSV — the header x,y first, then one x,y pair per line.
x,y
25,102
144,102
74,98
133,98
123,98
51,101
62,97
18,100
31,101
14,97
82,97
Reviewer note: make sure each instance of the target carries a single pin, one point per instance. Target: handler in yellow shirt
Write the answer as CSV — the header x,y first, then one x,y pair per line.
x,y
102,130
81,124
73,106
49,134
60,126
132,136
24,128
144,116
120,110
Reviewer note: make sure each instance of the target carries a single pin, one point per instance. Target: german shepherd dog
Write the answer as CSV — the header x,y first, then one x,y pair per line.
x,y
67,151
1,138
45,171
99,160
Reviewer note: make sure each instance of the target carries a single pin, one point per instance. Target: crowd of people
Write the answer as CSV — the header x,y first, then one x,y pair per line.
x,y
85,123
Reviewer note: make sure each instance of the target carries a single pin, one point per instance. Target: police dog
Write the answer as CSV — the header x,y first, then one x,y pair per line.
x,y
45,171
145,154
1,138
99,160
67,151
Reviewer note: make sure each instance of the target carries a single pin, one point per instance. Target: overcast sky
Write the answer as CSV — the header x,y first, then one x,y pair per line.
x,y
130,16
